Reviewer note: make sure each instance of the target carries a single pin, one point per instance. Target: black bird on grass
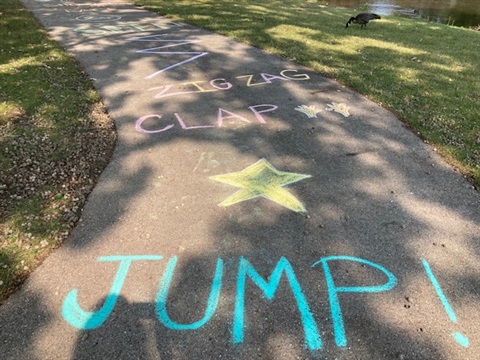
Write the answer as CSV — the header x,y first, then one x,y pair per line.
x,y
363,19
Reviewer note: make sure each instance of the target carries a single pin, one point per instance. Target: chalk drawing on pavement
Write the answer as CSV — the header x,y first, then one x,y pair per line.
x,y
221,84
207,162
267,79
95,30
333,291
172,43
262,180
312,335
87,320
148,124
247,275
340,108
162,295
459,337
311,111
97,18
252,80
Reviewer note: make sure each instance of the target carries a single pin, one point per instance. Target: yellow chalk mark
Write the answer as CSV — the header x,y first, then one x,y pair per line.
x,y
262,180
310,111
340,108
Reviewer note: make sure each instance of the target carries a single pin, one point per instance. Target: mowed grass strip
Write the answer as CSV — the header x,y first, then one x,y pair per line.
x,y
55,139
427,74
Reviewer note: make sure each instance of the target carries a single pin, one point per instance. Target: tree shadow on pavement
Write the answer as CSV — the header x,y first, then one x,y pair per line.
x,y
376,193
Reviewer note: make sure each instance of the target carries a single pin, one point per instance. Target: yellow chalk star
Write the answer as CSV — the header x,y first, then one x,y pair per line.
x,y
262,180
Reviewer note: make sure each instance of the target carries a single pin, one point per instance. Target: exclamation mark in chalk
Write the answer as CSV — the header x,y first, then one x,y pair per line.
x,y
459,337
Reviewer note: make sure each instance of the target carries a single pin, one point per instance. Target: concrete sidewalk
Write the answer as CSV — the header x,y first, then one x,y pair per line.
x,y
252,209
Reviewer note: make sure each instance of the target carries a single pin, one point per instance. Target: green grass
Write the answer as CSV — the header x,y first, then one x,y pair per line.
x,y
54,141
426,73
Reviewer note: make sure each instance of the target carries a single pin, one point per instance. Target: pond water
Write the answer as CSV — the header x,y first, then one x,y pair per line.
x,y
465,13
